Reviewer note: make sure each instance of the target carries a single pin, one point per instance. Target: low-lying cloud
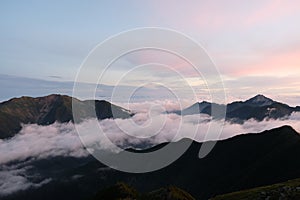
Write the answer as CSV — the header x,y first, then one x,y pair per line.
x,y
62,139
14,179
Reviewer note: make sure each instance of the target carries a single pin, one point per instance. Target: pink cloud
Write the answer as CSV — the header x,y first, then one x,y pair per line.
x,y
174,63
215,16
273,10
269,64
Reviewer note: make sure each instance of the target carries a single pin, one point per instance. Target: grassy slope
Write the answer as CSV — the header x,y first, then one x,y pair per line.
x,y
122,191
286,190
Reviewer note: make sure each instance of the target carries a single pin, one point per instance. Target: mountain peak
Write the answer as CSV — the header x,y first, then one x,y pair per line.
x,y
260,100
286,128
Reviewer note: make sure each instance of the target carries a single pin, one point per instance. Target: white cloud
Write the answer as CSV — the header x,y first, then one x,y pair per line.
x,y
41,142
62,139
13,179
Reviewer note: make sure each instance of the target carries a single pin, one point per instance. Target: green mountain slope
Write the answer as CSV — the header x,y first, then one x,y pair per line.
x,y
289,190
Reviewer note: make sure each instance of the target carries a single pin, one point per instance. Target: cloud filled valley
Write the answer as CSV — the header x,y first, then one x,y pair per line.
x,y
144,129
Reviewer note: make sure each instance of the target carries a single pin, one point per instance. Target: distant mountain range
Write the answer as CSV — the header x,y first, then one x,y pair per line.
x,y
258,108
242,162
49,109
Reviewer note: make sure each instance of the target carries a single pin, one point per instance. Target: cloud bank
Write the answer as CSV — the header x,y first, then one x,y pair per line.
x,y
13,179
59,139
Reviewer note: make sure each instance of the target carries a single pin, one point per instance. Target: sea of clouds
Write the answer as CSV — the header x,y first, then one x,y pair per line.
x,y
147,126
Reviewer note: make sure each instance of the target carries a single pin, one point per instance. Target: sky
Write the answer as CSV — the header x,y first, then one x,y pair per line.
x,y
255,45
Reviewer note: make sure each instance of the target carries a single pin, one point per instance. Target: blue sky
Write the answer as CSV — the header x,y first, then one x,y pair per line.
x,y
249,41
51,38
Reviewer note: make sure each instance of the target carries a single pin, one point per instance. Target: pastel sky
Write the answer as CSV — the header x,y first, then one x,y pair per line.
x,y
255,44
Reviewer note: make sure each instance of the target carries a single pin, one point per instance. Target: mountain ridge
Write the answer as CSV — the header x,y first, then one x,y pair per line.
x,y
258,107
49,109
289,190
122,191
55,107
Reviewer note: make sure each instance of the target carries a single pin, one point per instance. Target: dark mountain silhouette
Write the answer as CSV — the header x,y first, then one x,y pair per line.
x,y
242,162
258,108
49,109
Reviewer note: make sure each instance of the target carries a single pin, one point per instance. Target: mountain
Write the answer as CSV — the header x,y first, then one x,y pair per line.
x,y
49,109
122,191
119,191
239,163
289,190
195,108
168,193
258,108
260,101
